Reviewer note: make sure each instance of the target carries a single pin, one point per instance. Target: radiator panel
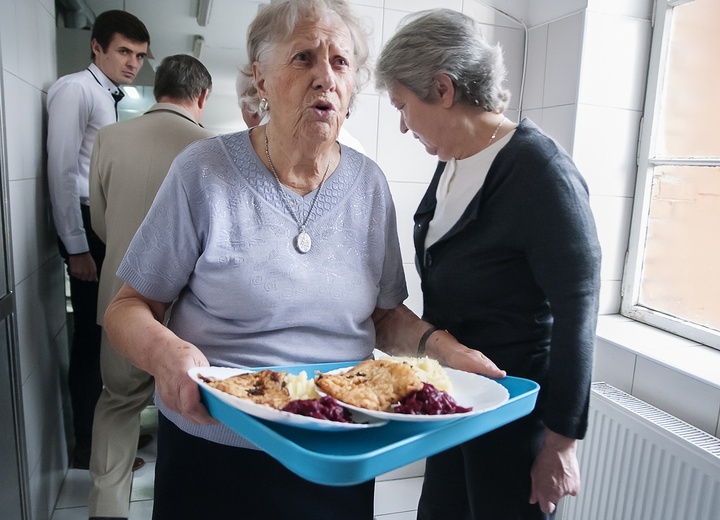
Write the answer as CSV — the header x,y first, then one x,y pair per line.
x,y
640,463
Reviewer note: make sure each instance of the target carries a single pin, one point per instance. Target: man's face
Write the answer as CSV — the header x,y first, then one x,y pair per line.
x,y
122,60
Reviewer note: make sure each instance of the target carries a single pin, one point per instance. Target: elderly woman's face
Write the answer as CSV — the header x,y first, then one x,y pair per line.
x,y
418,117
309,79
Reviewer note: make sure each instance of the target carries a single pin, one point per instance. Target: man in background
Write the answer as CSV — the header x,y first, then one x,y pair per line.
x,y
78,105
129,162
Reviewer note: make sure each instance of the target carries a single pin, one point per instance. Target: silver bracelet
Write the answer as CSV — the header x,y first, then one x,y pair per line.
x,y
423,340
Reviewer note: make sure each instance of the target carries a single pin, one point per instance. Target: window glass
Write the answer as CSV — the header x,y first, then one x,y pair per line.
x,y
681,274
690,110
673,275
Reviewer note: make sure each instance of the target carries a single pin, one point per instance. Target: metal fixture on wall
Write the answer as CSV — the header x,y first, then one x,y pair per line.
x,y
75,14
203,12
198,43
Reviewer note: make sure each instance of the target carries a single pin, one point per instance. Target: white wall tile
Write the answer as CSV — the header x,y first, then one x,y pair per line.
x,y
512,42
634,8
45,60
559,123
562,72
548,10
614,69
372,3
40,316
10,36
612,218
49,5
486,14
394,496
414,469
605,149
373,17
613,365
421,5
24,123
33,238
391,21
690,400
414,300
535,115
535,71
30,45
363,122
406,196
610,299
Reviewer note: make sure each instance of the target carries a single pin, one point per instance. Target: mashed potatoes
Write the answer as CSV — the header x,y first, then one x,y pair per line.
x,y
430,371
300,387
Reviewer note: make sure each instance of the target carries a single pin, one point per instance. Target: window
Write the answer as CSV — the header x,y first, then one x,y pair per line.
x,y
672,278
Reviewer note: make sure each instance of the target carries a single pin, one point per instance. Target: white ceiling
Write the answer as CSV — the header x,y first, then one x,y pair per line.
x,y
173,26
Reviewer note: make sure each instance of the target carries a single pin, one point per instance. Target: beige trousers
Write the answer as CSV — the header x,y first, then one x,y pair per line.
x,y
127,390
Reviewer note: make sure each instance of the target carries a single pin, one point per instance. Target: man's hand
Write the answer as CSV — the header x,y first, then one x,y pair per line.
x,y
82,266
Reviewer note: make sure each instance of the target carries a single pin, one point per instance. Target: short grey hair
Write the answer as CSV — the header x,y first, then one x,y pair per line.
x,y
276,22
443,41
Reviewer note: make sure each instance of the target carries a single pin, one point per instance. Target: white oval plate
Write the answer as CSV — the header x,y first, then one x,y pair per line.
x,y
469,390
360,418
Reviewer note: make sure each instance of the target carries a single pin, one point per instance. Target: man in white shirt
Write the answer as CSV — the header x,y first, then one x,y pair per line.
x,y
78,106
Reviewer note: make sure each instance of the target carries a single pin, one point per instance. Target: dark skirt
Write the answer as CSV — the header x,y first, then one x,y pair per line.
x,y
196,478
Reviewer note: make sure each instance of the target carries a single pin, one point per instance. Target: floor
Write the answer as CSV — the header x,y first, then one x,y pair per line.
x,y
396,493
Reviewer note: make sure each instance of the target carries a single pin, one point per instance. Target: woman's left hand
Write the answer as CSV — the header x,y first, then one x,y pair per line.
x,y
555,473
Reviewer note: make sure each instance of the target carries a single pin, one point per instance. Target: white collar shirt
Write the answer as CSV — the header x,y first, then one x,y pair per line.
x,y
78,105
459,183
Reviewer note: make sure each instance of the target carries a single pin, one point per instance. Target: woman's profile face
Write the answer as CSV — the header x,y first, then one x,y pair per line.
x,y
418,117
309,79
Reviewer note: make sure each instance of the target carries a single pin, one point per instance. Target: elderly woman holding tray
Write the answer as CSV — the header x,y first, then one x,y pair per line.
x,y
277,246
509,262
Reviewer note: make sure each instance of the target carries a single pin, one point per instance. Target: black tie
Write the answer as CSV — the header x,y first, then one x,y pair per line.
x,y
117,96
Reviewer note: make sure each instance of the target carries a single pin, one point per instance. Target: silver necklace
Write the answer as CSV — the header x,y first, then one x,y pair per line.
x,y
492,137
302,241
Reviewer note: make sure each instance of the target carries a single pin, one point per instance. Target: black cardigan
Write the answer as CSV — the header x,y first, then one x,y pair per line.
x,y
518,276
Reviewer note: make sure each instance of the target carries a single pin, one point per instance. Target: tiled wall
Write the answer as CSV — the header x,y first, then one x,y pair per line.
x,y
585,88
27,44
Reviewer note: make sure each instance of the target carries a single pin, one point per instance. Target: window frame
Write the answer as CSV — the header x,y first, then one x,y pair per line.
x,y
632,277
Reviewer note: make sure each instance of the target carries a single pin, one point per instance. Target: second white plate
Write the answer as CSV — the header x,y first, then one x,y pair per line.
x,y
469,390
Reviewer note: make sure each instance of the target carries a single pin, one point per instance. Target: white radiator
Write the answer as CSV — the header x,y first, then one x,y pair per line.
x,y
640,463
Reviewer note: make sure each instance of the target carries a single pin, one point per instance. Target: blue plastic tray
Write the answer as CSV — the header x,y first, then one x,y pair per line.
x,y
351,457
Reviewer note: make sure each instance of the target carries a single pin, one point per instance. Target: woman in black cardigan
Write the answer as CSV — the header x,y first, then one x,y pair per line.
x,y
509,261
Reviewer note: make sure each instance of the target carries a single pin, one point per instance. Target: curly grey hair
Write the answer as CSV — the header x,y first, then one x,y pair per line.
x,y
276,22
443,41
246,92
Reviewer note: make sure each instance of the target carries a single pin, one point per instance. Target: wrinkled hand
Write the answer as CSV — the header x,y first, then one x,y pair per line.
x,y
555,473
469,360
175,387
82,266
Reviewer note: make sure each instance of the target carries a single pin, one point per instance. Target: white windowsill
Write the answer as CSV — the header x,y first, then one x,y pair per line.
x,y
683,355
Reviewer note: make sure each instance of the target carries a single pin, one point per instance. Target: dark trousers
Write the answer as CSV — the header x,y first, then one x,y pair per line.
x,y
84,380
487,478
195,479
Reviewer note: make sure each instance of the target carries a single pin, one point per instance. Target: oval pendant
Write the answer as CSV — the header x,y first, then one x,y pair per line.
x,y
303,242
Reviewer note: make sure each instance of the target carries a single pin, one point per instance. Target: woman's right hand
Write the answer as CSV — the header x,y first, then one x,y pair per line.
x,y
135,328
175,387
